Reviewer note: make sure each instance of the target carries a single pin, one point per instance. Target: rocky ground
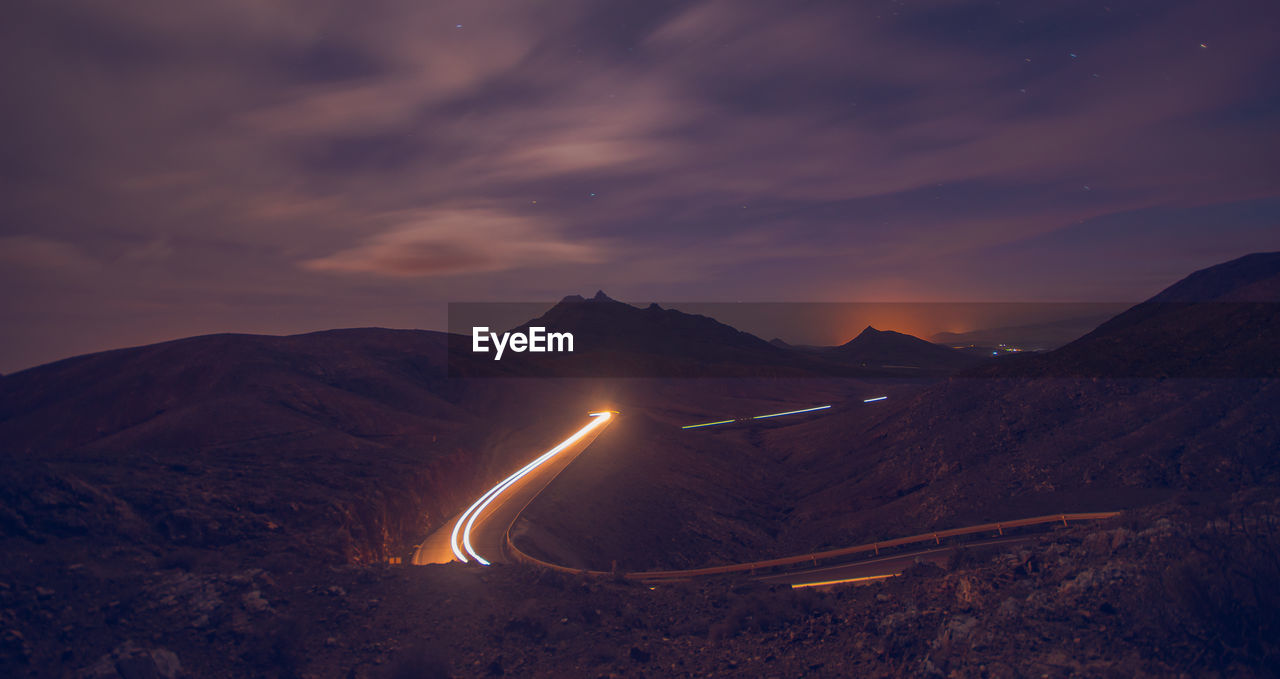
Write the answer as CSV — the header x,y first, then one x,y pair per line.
x,y
1180,589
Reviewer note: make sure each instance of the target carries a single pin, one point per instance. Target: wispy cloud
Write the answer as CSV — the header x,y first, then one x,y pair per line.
x,y
458,241
394,150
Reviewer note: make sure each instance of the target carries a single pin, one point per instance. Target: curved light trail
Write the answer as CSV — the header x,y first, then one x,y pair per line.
x,y
460,538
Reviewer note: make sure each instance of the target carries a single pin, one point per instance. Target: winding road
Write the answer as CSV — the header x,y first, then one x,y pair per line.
x,y
481,533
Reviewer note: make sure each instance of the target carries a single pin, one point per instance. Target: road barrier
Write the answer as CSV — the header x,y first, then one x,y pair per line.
x,y
871,548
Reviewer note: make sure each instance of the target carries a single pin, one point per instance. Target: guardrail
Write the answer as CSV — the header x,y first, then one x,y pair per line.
x,y
871,548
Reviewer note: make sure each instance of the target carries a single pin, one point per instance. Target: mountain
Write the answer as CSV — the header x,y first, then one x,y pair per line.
x,y
614,339
235,497
1220,322
888,349
1178,394
604,324
1252,278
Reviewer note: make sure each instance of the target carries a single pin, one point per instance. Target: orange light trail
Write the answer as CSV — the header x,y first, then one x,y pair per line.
x,y
468,518
865,578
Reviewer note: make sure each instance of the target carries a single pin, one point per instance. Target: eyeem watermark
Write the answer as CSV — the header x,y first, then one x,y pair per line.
x,y
537,341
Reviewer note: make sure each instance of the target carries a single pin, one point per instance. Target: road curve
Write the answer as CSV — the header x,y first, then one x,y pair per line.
x,y
878,568
802,569
479,534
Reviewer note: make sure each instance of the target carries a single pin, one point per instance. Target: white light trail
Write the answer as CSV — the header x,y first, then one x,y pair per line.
x,y
790,412
468,518
878,398
706,424
757,417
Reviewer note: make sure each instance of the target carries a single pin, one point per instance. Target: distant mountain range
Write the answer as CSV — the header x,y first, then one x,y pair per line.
x,y
615,339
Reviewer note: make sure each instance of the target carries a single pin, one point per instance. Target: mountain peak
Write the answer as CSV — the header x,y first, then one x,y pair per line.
x,y
890,348
1248,278
598,297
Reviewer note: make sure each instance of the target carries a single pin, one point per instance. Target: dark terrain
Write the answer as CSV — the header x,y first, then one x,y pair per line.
x,y
230,502
619,340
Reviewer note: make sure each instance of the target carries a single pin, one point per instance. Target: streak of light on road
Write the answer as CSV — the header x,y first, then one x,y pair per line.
x,y
865,578
757,417
706,424
790,412
878,398
462,528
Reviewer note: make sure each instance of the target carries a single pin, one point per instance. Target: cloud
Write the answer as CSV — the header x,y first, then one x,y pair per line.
x,y
451,242
44,255
715,148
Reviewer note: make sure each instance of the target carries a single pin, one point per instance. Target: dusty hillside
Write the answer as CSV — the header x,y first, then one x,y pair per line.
x,y
343,446
1176,394
1123,598
649,494
1070,430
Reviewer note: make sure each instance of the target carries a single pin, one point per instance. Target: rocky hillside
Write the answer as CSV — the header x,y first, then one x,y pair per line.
x,y
1177,590
1176,394
342,445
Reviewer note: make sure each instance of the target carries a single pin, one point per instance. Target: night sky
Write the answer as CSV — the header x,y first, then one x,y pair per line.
x,y
176,168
